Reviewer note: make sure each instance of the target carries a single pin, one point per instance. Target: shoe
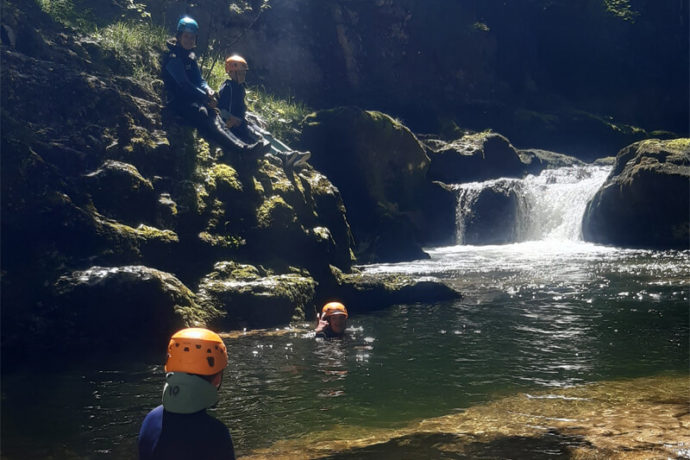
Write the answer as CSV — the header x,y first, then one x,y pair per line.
x,y
296,159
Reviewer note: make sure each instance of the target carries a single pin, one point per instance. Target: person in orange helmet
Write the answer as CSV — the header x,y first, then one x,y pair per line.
x,y
180,428
332,321
233,109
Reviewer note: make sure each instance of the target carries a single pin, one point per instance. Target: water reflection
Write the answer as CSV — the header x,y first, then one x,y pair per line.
x,y
536,320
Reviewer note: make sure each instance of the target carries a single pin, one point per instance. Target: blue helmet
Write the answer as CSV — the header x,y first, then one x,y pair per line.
x,y
187,24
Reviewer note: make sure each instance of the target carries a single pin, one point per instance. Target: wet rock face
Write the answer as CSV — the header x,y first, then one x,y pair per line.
x,y
645,202
489,215
252,297
380,169
104,307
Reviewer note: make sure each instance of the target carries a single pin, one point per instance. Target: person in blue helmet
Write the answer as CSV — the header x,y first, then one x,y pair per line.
x,y
188,94
233,109
180,428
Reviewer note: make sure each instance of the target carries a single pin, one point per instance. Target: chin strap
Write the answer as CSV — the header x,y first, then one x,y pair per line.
x,y
186,393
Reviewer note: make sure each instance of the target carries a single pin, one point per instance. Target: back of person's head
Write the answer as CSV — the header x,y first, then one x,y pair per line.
x,y
196,357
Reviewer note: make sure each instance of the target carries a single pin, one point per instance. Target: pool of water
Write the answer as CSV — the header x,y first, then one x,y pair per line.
x,y
535,317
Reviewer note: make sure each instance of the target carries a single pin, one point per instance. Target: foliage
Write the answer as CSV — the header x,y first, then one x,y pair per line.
x,y
621,9
67,13
282,116
136,43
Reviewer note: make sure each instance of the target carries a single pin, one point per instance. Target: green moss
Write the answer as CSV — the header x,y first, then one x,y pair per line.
x,y
152,233
221,241
621,9
682,143
275,211
222,175
65,12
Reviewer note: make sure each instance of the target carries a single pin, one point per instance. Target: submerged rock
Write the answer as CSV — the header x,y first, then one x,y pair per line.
x,y
645,202
633,419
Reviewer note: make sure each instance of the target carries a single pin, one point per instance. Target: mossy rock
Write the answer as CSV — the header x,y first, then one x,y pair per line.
x,y
368,292
253,297
379,167
474,157
119,191
124,307
645,201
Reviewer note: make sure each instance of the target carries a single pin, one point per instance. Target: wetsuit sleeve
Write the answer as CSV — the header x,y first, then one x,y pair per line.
x,y
150,433
175,67
225,99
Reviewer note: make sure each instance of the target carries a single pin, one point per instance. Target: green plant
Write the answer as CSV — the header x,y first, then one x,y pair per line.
x,y
621,9
67,13
135,43
282,116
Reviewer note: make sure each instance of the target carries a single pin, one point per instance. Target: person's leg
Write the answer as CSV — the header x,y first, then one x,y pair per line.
x,y
290,158
212,124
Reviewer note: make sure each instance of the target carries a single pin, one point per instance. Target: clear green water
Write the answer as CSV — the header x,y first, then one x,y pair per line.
x,y
535,316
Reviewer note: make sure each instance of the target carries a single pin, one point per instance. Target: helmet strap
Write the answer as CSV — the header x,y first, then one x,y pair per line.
x,y
188,393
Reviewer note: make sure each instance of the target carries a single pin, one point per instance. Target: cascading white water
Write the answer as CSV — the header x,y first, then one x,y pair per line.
x,y
549,206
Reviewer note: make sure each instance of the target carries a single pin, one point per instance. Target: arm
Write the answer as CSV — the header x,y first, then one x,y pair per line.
x,y
175,69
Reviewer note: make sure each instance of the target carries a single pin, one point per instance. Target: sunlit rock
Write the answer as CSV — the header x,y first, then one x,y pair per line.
x,y
645,201
366,292
121,307
474,157
254,297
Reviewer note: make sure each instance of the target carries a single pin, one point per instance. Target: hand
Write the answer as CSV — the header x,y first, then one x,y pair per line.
x,y
212,102
322,325
233,121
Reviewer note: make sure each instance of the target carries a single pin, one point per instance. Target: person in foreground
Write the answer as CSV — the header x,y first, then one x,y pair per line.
x,y
233,109
190,96
180,428
332,322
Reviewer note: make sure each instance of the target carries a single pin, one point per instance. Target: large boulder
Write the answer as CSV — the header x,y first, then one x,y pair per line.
x,y
473,157
105,310
537,160
645,200
380,169
489,214
252,297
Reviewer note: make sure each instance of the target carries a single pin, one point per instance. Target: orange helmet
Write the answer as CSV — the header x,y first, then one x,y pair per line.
x,y
333,308
235,62
196,351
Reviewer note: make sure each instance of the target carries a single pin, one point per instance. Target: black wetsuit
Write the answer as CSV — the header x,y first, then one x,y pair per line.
x,y
186,94
327,333
168,436
231,102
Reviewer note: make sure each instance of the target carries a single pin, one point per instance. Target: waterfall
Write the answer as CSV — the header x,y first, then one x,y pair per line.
x,y
549,206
